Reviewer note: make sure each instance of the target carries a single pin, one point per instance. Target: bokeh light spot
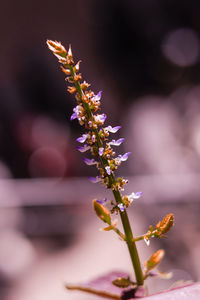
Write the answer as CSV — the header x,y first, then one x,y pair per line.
x,y
181,47
47,162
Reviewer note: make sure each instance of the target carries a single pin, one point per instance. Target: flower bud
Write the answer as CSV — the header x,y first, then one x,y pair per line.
x,y
102,212
69,54
155,259
84,85
71,89
165,225
77,66
66,71
56,48
78,77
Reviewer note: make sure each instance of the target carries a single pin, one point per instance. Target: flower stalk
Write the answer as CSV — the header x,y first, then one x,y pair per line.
x,y
95,139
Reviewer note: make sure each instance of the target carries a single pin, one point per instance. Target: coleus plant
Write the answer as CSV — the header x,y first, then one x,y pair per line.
x,y
96,141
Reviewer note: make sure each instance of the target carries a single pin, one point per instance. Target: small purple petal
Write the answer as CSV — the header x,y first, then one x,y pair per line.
x,y
116,142
101,118
124,157
97,97
73,116
95,179
89,162
121,207
82,138
112,129
101,151
133,196
108,170
102,201
138,194
84,148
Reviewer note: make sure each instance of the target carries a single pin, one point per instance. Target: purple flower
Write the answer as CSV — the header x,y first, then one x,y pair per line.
x,y
82,138
112,129
77,112
124,157
121,206
89,162
138,195
108,170
100,118
95,179
84,148
116,142
133,196
102,201
97,97
73,116
101,151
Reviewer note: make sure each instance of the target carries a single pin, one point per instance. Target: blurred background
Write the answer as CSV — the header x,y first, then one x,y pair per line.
x,y
145,57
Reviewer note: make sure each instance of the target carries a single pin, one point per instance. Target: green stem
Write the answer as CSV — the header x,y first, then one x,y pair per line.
x,y
130,242
121,235
118,198
140,238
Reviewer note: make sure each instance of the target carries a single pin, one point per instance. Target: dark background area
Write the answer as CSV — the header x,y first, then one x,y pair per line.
x,y
130,49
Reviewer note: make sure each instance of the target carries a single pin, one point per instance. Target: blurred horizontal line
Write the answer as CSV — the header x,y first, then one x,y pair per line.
x,y
74,191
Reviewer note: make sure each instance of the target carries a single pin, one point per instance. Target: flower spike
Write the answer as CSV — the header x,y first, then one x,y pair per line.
x,y
96,139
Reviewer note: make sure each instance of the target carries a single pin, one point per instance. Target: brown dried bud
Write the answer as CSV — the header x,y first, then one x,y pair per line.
x,y
69,54
69,79
66,71
77,66
165,225
84,85
155,259
78,77
61,59
125,200
71,89
57,48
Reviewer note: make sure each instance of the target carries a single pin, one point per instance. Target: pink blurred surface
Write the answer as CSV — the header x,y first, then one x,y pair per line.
x,y
191,292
